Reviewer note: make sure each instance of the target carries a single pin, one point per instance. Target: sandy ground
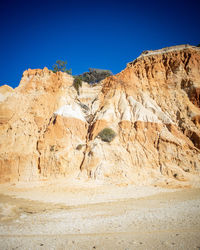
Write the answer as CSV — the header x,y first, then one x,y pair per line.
x,y
94,216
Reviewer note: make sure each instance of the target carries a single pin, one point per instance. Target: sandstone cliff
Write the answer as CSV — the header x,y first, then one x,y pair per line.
x,y
48,131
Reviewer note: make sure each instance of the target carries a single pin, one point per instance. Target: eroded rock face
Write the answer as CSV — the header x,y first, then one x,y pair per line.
x,y
32,132
47,131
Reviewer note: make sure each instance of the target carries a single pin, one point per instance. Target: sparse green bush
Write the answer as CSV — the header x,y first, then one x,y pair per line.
x,y
107,134
77,84
95,75
61,66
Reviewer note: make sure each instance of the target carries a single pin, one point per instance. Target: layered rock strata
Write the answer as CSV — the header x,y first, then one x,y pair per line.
x,y
48,131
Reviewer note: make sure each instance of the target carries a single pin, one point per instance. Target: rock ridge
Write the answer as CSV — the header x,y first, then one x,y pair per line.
x,y
47,131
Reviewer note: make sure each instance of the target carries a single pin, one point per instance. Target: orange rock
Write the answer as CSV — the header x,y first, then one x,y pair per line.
x,y
47,131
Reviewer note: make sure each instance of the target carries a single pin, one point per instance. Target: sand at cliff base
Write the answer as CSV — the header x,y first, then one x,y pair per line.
x,y
98,217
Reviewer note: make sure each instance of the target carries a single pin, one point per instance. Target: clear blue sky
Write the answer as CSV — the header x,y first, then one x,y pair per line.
x,y
98,34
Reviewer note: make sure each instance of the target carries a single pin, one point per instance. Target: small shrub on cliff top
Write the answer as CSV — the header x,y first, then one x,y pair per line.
x,y
95,75
107,134
61,66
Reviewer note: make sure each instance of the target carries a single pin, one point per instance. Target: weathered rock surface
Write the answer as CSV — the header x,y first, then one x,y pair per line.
x,y
47,131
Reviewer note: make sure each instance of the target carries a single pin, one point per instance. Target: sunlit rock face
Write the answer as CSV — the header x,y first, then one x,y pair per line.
x,y
48,131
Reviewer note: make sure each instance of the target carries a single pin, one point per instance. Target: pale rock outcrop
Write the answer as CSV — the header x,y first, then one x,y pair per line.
x,y
48,131
5,91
